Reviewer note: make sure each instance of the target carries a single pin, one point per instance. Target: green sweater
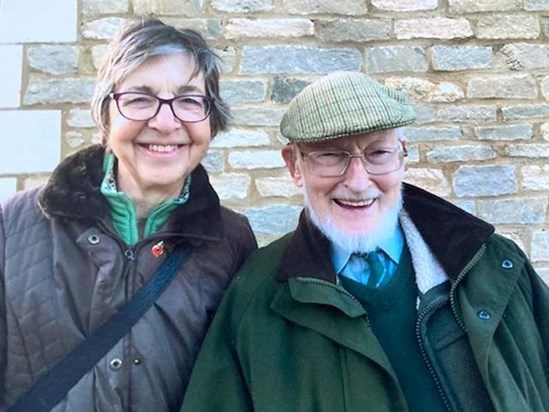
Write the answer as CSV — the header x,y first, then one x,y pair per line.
x,y
393,316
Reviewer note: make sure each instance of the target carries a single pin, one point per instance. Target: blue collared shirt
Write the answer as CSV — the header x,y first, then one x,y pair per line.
x,y
390,257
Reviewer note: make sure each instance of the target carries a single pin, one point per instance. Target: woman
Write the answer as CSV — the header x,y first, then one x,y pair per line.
x,y
74,252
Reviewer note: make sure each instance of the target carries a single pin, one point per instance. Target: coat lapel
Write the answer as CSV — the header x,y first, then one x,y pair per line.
x,y
329,310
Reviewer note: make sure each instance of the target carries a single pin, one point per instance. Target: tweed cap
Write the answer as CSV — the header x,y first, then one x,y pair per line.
x,y
344,104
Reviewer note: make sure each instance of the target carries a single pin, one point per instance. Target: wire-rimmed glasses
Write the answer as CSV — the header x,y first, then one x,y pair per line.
x,y
140,106
334,163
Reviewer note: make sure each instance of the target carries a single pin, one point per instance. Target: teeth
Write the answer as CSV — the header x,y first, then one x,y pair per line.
x,y
162,148
357,203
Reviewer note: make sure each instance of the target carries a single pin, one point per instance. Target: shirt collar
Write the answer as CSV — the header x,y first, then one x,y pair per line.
x,y
392,247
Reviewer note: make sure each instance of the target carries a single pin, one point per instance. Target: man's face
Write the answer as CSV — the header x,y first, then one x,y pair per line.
x,y
356,203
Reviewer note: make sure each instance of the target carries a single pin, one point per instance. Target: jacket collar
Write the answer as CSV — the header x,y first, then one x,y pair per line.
x,y
452,235
73,192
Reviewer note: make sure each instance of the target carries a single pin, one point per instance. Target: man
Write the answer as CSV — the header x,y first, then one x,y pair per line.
x,y
386,297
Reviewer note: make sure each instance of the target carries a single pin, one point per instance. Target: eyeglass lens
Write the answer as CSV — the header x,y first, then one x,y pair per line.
x,y
143,106
377,162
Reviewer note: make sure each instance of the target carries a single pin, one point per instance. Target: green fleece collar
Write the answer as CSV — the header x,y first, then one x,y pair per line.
x,y
124,212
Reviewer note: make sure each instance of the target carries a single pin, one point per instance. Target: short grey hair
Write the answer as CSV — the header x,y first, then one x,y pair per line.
x,y
140,40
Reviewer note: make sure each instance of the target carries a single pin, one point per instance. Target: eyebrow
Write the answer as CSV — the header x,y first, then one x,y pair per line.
x,y
185,89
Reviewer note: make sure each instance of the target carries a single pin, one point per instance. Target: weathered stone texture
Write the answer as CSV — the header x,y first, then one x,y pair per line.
x,y
243,91
535,177
241,138
80,118
453,58
68,90
54,59
102,29
228,59
214,161
536,5
426,90
250,28
444,154
528,150
396,59
405,5
421,134
352,30
544,131
521,86
242,6
74,139
187,8
508,27
540,251
432,180
543,272
467,113
425,113
278,219
230,186
545,87
525,111
433,28
342,7
474,6
511,132
468,205
520,211
285,89
95,7
257,117
477,181
520,56
210,28
261,159
277,186
298,59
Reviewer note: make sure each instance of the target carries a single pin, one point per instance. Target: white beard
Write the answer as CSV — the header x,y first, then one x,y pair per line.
x,y
356,243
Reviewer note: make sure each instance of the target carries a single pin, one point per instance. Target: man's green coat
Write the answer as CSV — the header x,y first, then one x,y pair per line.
x,y
287,338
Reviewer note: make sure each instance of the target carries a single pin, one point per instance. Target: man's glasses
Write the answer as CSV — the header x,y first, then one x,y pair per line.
x,y
376,161
188,108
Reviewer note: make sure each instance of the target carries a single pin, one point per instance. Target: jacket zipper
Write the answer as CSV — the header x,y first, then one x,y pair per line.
x,y
459,278
437,304
433,306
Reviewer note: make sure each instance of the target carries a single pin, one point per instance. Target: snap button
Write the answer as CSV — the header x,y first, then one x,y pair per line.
x,y
507,264
93,239
482,314
115,364
137,361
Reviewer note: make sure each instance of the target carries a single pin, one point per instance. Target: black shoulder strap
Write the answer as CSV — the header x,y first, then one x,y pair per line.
x,y
51,388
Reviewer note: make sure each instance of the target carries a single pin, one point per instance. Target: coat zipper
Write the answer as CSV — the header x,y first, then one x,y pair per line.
x,y
437,304
433,306
461,275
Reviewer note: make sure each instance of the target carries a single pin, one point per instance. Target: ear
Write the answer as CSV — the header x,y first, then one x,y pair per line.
x,y
289,156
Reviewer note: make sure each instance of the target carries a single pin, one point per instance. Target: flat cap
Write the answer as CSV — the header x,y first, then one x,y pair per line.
x,y
344,104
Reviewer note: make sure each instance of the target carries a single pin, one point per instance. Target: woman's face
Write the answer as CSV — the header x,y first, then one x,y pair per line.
x,y
155,156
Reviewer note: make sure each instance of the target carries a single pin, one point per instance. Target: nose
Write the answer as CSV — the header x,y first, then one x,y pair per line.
x,y
165,121
356,176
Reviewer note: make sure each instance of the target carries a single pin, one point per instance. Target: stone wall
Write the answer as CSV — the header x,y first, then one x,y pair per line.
x,y
477,70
